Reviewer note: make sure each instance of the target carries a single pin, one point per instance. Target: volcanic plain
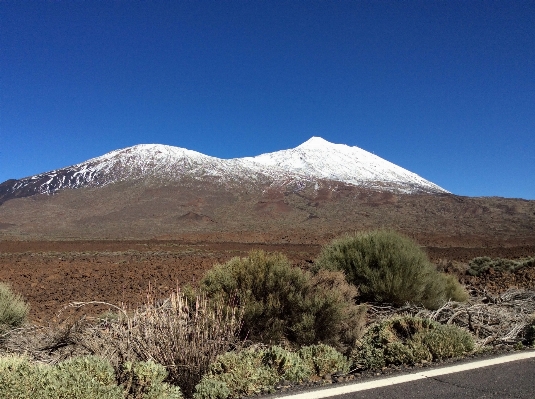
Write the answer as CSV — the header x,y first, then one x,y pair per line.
x,y
52,274
116,243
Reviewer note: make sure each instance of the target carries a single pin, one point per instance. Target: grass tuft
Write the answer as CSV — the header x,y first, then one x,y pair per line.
x,y
184,335
13,309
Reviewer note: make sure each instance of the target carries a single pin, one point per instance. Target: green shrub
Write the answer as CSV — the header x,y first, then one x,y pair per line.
x,y
338,321
241,373
284,303
21,379
446,341
145,380
324,359
84,377
481,265
13,309
99,369
211,388
255,371
79,378
288,365
388,267
409,340
269,289
452,289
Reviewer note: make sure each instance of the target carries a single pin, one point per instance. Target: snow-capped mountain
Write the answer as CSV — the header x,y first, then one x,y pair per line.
x,y
321,159
316,159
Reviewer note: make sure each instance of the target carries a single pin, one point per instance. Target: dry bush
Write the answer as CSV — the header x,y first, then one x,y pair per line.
x,y
48,344
530,331
184,336
493,320
339,321
63,337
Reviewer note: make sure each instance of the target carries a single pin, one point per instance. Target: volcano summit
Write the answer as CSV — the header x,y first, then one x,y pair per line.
x,y
315,159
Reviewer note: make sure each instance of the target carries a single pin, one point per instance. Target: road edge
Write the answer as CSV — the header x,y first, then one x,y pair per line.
x,y
383,382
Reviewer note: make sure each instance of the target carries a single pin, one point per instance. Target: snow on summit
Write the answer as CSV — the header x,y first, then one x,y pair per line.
x,y
315,159
322,159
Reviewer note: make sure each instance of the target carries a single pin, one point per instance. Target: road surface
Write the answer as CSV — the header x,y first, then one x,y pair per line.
x,y
507,377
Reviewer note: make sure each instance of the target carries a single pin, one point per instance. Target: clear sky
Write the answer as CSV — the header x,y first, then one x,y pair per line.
x,y
445,89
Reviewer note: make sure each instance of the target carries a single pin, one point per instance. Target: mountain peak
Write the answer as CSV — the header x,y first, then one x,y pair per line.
x,y
315,142
319,158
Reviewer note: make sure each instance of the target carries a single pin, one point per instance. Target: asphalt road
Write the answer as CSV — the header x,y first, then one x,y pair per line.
x,y
513,379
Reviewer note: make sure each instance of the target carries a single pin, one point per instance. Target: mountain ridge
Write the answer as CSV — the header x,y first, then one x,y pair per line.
x,y
316,159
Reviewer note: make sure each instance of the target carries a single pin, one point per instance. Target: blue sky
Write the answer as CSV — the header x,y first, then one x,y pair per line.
x,y
445,89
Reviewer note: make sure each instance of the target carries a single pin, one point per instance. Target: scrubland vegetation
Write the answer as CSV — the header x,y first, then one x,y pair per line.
x,y
282,303
388,267
370,301
484,264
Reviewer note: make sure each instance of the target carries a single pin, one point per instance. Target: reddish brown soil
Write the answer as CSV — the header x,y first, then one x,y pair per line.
x,y
313,214
52,274
498,282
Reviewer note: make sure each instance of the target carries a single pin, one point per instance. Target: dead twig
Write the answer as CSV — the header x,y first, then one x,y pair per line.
x,y
492,320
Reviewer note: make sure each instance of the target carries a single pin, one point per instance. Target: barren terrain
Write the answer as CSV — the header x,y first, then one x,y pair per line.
x,y
287,214
51,274
114,242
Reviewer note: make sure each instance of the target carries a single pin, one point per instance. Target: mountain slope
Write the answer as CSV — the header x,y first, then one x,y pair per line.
x,y
204,211
314,160
308,194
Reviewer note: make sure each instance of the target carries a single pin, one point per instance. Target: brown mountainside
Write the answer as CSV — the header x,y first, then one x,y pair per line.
x,y
276,214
